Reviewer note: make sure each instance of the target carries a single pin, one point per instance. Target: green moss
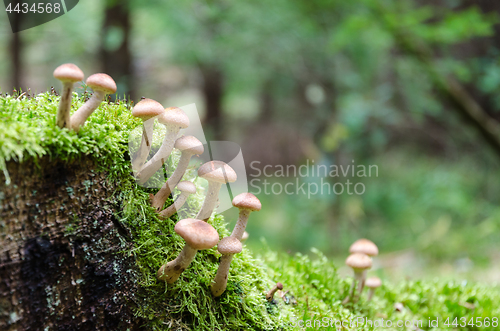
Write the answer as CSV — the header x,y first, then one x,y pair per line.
x,y
28,130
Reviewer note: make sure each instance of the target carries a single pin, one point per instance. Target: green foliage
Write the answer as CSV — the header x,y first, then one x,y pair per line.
x,y
455,27
444,211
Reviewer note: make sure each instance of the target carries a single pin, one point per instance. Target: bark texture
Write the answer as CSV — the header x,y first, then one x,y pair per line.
x,y
60,261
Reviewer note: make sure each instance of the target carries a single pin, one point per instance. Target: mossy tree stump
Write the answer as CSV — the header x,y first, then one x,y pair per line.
x,y
62,260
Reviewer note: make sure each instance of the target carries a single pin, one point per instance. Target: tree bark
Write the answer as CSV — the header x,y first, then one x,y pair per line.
x,y
60,261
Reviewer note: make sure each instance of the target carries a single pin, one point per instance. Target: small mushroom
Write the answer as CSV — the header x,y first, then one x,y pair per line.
x,y
372,283
68,74
270,294
216,173
198,235
246,203
227,247
359,263
186,188
367,247
174,120
364,246
189,146
102,85
244,237
146,110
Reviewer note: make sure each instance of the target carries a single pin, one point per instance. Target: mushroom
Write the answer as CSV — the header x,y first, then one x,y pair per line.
x,y
359,263
174,119
198,235
244,237
189,146
146,110
372,283
367,247
102,85
68,74
246,203
227,247
186,188
270,294
364,246
216,173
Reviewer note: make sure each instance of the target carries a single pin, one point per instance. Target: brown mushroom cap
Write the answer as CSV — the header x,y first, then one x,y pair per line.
x,y
229,245
147,108
102,82
247,201
197,234
187,186
217,171
68,72
364,246
373,282
279,286
359,261
189,143
175,116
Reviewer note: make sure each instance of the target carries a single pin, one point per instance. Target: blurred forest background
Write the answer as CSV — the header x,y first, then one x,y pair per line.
x,y
410,86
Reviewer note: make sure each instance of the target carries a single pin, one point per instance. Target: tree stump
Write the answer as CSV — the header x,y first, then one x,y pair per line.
x,y
63,261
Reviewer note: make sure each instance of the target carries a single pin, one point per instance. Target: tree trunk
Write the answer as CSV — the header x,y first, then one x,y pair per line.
x,y
266,102
115,52
60,261
213,92
15,53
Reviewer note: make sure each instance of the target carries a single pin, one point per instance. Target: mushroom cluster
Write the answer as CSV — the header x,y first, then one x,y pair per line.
x,y
69,74
197,233
360,261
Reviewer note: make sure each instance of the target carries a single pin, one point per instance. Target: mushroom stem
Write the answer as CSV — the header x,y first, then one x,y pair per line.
x,y
143,151
220,281
163,194
210,201
172,209
63,112
161,156
240,226
351,292
270,294
361,284
358,278
171,271
370,295
81,115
